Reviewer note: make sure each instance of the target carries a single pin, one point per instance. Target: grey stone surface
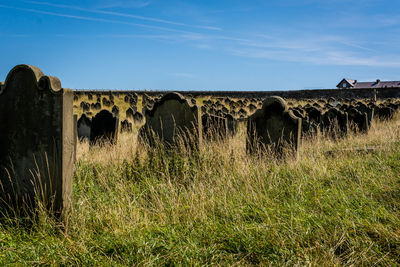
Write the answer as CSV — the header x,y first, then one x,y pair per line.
x,y
36,141
84,124
174,122
274,128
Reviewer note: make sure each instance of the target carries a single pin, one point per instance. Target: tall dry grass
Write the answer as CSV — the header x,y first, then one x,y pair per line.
x,y
134,205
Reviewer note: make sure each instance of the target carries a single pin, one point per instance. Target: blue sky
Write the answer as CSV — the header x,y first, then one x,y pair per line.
x,y
204,44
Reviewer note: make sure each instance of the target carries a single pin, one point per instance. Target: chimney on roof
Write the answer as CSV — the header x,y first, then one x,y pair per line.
x,y
378,81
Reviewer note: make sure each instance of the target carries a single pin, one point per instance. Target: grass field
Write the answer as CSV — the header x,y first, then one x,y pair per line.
x,y
134,206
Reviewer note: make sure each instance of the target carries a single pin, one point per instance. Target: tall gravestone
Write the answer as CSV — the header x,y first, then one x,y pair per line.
x,y
335,123
273,127
370,112
358,121
36,142
104,128
173,121
84,125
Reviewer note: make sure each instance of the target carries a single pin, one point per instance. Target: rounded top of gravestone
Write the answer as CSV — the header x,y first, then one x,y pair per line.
x,y
333,112
354,112
44,82
104,114
50,83
275,103
84,119
168,97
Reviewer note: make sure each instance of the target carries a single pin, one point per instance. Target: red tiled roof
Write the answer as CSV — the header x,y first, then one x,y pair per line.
x,y
376,84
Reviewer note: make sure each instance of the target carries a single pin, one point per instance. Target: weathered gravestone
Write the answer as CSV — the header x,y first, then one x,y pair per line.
x,y
252,107
232,124
174,122
314,115
273,127
97,106
104,128
358,121
214,127
85,106
126,126
129,113
242,113
307,128
84,124
36,143
384,113
115,111
75,136
133,102
335,123
137,117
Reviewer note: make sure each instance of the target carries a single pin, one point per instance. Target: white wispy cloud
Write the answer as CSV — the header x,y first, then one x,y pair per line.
x,y
167,37
123,4
319,57
124,15
350,20
95,19
289,46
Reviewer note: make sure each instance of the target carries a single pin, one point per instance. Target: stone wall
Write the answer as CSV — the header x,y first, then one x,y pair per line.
x,y
382,93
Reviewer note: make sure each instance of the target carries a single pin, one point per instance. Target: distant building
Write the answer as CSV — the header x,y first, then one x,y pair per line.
x,y
354,84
